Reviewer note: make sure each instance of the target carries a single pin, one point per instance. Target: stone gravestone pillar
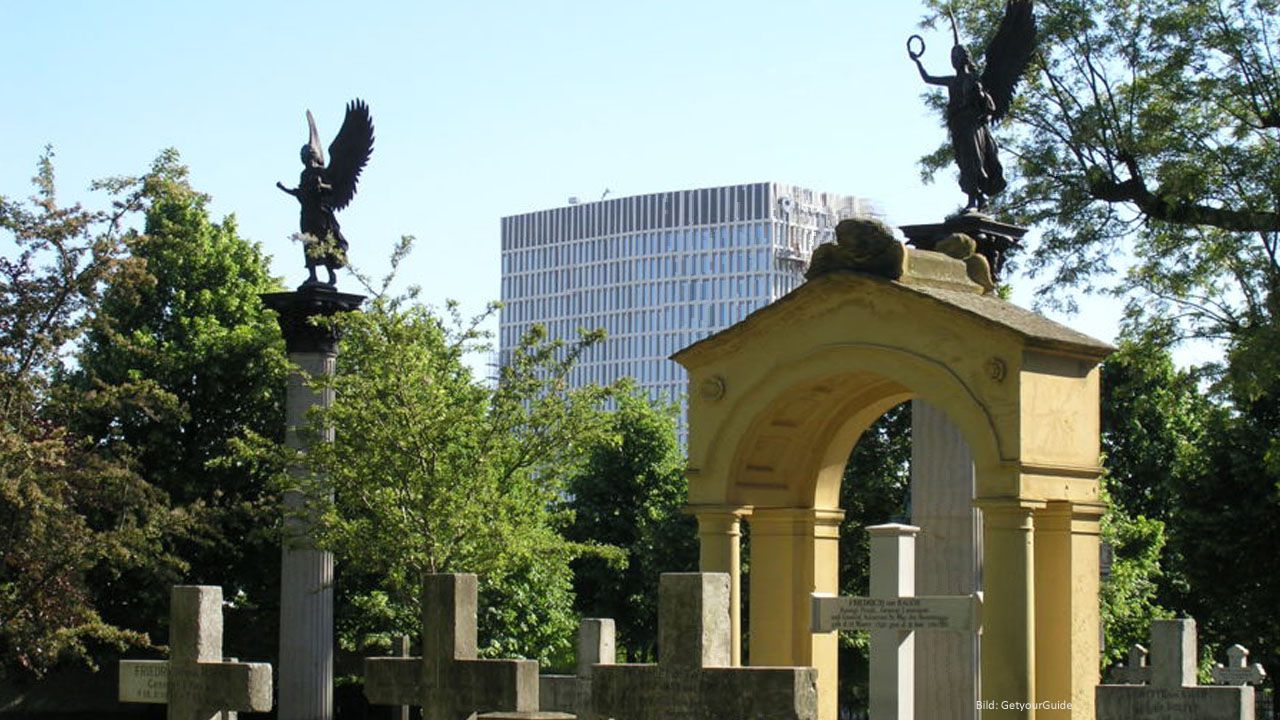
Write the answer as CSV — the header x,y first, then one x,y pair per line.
x,y
1173,692
306,573
892,651
948,549
195,681
892,615
597,645
693,679
447,681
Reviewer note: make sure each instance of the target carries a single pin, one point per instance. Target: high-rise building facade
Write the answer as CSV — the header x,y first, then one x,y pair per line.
x,y
658,271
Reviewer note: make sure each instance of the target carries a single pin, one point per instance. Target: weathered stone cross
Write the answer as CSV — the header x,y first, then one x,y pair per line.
x,y
1238,671
692,679
1136,671
892,615
597,645
448,682
1173,692
195,681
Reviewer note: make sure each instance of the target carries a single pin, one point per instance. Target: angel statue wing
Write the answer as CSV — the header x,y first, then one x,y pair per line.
x,y
1008,54
315,138
348,154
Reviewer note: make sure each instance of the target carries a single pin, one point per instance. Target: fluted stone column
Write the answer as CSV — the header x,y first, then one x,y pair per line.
x,y
305,683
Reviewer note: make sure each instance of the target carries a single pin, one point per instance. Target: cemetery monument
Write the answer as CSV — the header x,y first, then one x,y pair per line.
x,y
306,583
196,682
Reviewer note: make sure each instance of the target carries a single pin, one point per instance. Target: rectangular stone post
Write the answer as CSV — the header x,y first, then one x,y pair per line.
x,y
720,550
892,656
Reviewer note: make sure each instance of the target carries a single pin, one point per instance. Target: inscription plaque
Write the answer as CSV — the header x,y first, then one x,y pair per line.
x,y
955,613
144,681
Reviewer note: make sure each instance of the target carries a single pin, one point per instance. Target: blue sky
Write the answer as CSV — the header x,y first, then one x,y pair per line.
x,y
481,110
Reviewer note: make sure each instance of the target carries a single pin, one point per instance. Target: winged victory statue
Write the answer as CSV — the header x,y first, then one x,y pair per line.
x,y
976,101
323,189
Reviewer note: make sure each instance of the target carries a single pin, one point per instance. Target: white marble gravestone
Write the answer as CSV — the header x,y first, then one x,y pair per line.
x,y
196,682
693,679
893,614
448,681
1172,692
948,559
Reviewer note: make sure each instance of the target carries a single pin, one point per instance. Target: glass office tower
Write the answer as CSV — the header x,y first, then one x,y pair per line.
x,y
659,271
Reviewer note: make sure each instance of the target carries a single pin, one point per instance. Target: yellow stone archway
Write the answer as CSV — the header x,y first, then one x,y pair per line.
x,y
777,401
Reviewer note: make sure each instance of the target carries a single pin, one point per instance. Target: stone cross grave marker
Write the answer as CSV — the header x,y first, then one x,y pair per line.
x,y
892,615
1135,671
597,645
1238,671
403,648
196,682
1173,692
693,679
448,681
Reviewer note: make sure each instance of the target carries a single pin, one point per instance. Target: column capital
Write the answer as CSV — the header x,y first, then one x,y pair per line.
x,y
819,522
1009,513
715,509
296,309
1008,505
893,530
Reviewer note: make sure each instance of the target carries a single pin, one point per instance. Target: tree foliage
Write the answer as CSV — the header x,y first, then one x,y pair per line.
x,y
630,493
180,361
1145,141
1146,135
69,508
436,471
1192,494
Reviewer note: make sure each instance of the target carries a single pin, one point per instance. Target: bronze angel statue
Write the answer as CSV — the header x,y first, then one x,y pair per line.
x,y
976,101
324,190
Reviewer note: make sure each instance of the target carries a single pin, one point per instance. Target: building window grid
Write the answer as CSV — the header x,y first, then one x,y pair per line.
x,y
652,280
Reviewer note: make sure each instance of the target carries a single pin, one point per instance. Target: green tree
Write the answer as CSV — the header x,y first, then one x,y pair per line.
x,y
1129,599
1224,534
1145,141
630,493
433,470
69,508
181,359
1146,133
1155,423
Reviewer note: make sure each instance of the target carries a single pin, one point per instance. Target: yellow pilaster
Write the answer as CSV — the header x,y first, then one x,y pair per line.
x,y
720,550
1067,616
1008,644
794,553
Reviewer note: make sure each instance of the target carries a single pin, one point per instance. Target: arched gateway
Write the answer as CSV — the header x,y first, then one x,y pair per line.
x,y
777,401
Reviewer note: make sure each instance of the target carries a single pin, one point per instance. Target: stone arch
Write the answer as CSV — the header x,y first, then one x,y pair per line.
x,y
779,399
813,412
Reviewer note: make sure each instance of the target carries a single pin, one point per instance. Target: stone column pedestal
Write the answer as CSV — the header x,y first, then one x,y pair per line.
x,y
306,573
